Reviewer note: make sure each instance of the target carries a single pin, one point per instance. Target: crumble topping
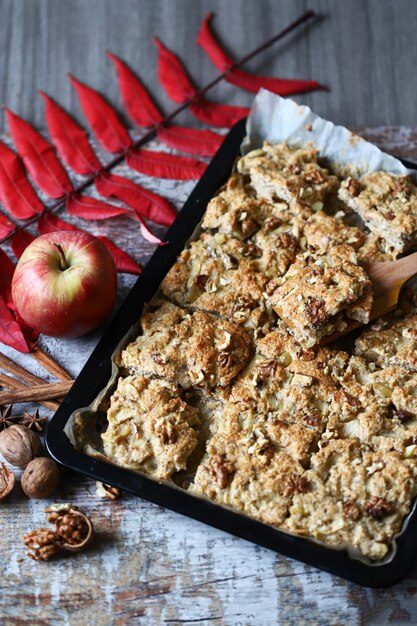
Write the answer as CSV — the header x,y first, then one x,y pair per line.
x,y
227,384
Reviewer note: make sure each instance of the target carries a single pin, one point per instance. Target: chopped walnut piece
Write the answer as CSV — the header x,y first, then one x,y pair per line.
x,y
201,281
294,484
403,415
315,310
311,419
285,240
158,358
271,223
166,432
316,177
351,400
225,359
221,469
351,511
378,508
267,368
248,226
42,543
107,492
353,186
252,251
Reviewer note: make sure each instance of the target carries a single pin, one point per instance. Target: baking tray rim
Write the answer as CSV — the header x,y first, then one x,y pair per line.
x,y
96,373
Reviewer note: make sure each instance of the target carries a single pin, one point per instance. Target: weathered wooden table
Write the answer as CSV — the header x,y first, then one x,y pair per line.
x,y
150,566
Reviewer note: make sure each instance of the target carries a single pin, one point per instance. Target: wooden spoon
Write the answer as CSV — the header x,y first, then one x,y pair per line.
x,y
387,279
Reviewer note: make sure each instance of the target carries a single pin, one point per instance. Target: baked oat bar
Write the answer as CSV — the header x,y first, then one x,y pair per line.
x,y
188,348
355,498
280,172
319,292
150,427
390,343
387,204
221,276
238,474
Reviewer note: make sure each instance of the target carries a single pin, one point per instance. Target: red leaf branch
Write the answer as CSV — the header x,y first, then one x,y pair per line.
x,y
70,139
192,140
39,157
16,192
163,165
102,118
147,204
245,80
136,99
178,86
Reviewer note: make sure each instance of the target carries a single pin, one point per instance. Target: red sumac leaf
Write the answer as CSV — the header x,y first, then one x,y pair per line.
x,y
102,118
6,275
70,140
211,47
50,223
10,331
193,140
146,204
163,165
39,157
172,74
245,80
214,114
92,209
136,98
176,82
20,241
123,262
6,226
16,192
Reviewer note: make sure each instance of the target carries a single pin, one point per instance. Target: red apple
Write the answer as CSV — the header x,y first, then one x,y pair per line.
x,y
64,284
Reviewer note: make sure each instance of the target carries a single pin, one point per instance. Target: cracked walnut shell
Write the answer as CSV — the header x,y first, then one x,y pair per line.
x,y
73,528
7,481
19,445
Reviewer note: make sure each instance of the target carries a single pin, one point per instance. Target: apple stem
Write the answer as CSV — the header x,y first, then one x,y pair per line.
x,y
63,260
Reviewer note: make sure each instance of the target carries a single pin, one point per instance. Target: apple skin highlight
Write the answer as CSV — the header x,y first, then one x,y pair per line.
x,y
65,284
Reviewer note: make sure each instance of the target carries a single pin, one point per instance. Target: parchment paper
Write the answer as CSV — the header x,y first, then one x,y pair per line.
x,y
276,119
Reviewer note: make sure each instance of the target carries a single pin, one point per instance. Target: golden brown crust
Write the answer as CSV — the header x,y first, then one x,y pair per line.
x,y
387,204
312,440
150,428
193,349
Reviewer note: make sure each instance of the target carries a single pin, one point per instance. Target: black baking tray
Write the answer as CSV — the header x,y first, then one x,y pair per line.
x,y
96,374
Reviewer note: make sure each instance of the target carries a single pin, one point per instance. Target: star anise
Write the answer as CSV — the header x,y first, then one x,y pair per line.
x,y
34,421
6,418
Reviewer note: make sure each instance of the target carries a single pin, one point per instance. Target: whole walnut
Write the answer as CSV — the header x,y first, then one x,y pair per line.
x,y
40,478
19,445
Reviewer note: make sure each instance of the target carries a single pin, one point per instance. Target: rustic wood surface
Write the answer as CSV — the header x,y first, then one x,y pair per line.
x,y
150,566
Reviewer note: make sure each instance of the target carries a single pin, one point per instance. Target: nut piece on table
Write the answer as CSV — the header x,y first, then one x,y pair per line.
x,y
7,481
40,478
107,491
74,530
19,445
42,543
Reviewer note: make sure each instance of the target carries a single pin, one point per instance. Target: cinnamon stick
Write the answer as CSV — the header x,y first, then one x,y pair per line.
x,y
36,393
49,364
17,370
13,383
